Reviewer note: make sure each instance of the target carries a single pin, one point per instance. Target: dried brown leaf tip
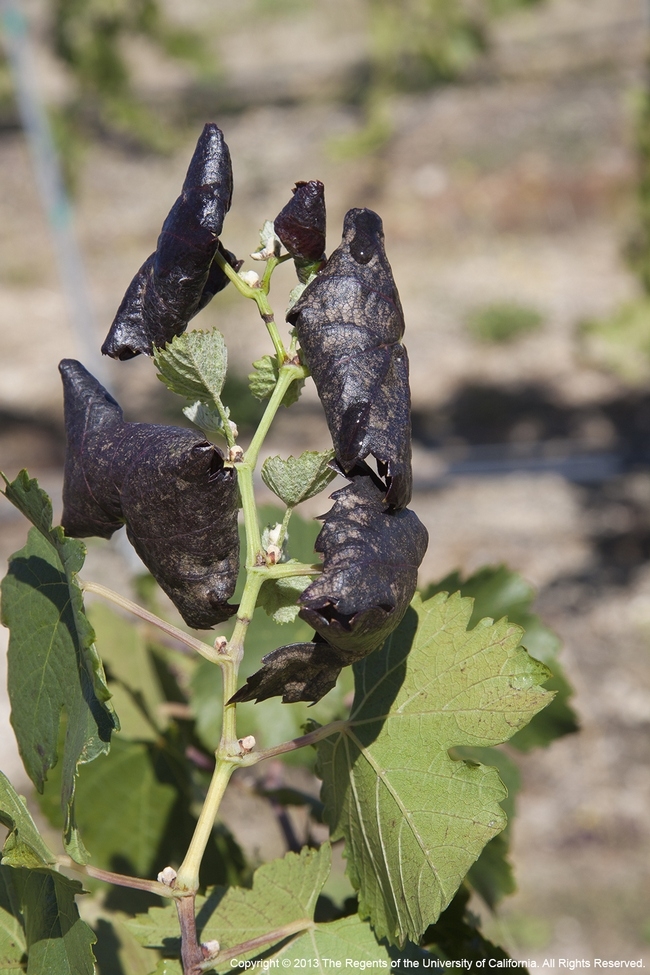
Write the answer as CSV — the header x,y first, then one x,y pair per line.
x,y
300,225
350,324
370,563
179,278
172,491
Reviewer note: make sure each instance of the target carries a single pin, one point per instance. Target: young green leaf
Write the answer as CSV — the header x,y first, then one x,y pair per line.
x,y
53,667
263,380
279,597
24,846
414,820
179,278
350,324
298,478
178,499
210,420
58,941
497,592
194,365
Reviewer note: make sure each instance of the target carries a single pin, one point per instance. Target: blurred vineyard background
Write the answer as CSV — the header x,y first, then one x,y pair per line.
x,y
506,145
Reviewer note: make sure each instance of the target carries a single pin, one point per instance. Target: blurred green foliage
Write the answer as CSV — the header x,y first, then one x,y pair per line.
x,y
638,249
91,38
502,321
413,46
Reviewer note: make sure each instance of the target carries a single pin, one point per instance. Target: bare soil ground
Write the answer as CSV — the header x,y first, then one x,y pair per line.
x,y
513,185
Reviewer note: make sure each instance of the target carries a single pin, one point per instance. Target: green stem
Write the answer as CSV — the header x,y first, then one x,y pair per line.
x,y
284,526
251,524
114,597
227,429
259,296
187,880
311,738
287,374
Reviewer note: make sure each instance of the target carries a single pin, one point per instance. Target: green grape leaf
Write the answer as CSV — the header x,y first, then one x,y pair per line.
x,y
347,938
499,592
283,898
278,910
194,365
52,661
262,382
414,820
133,680
208,419
58,941
279,597
492,875
126,778
13,944
24,846
298,478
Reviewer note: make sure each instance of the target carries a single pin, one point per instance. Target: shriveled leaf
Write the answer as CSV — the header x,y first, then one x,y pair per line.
x,y
300,225
370,563
24,846
51,666
298,478
497,592
178,500
263,380
13,944
350,324
414,820
179,278
279,597
58,941
194,365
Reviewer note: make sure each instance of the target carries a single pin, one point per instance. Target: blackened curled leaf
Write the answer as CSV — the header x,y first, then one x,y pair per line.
x,y
371,556
172,491
180,277
350,324
300,225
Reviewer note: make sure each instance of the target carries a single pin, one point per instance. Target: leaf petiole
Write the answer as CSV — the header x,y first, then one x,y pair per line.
x,y
114,597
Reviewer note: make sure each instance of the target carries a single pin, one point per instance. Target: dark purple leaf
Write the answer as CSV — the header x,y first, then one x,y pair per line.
x,y
350,324
300,225
171,490
179,278
371,557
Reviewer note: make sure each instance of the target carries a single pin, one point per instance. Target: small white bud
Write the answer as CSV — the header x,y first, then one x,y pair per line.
x,y
236,454
167,877
247,744
210,949
251,278
273,554
233,427
220,644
